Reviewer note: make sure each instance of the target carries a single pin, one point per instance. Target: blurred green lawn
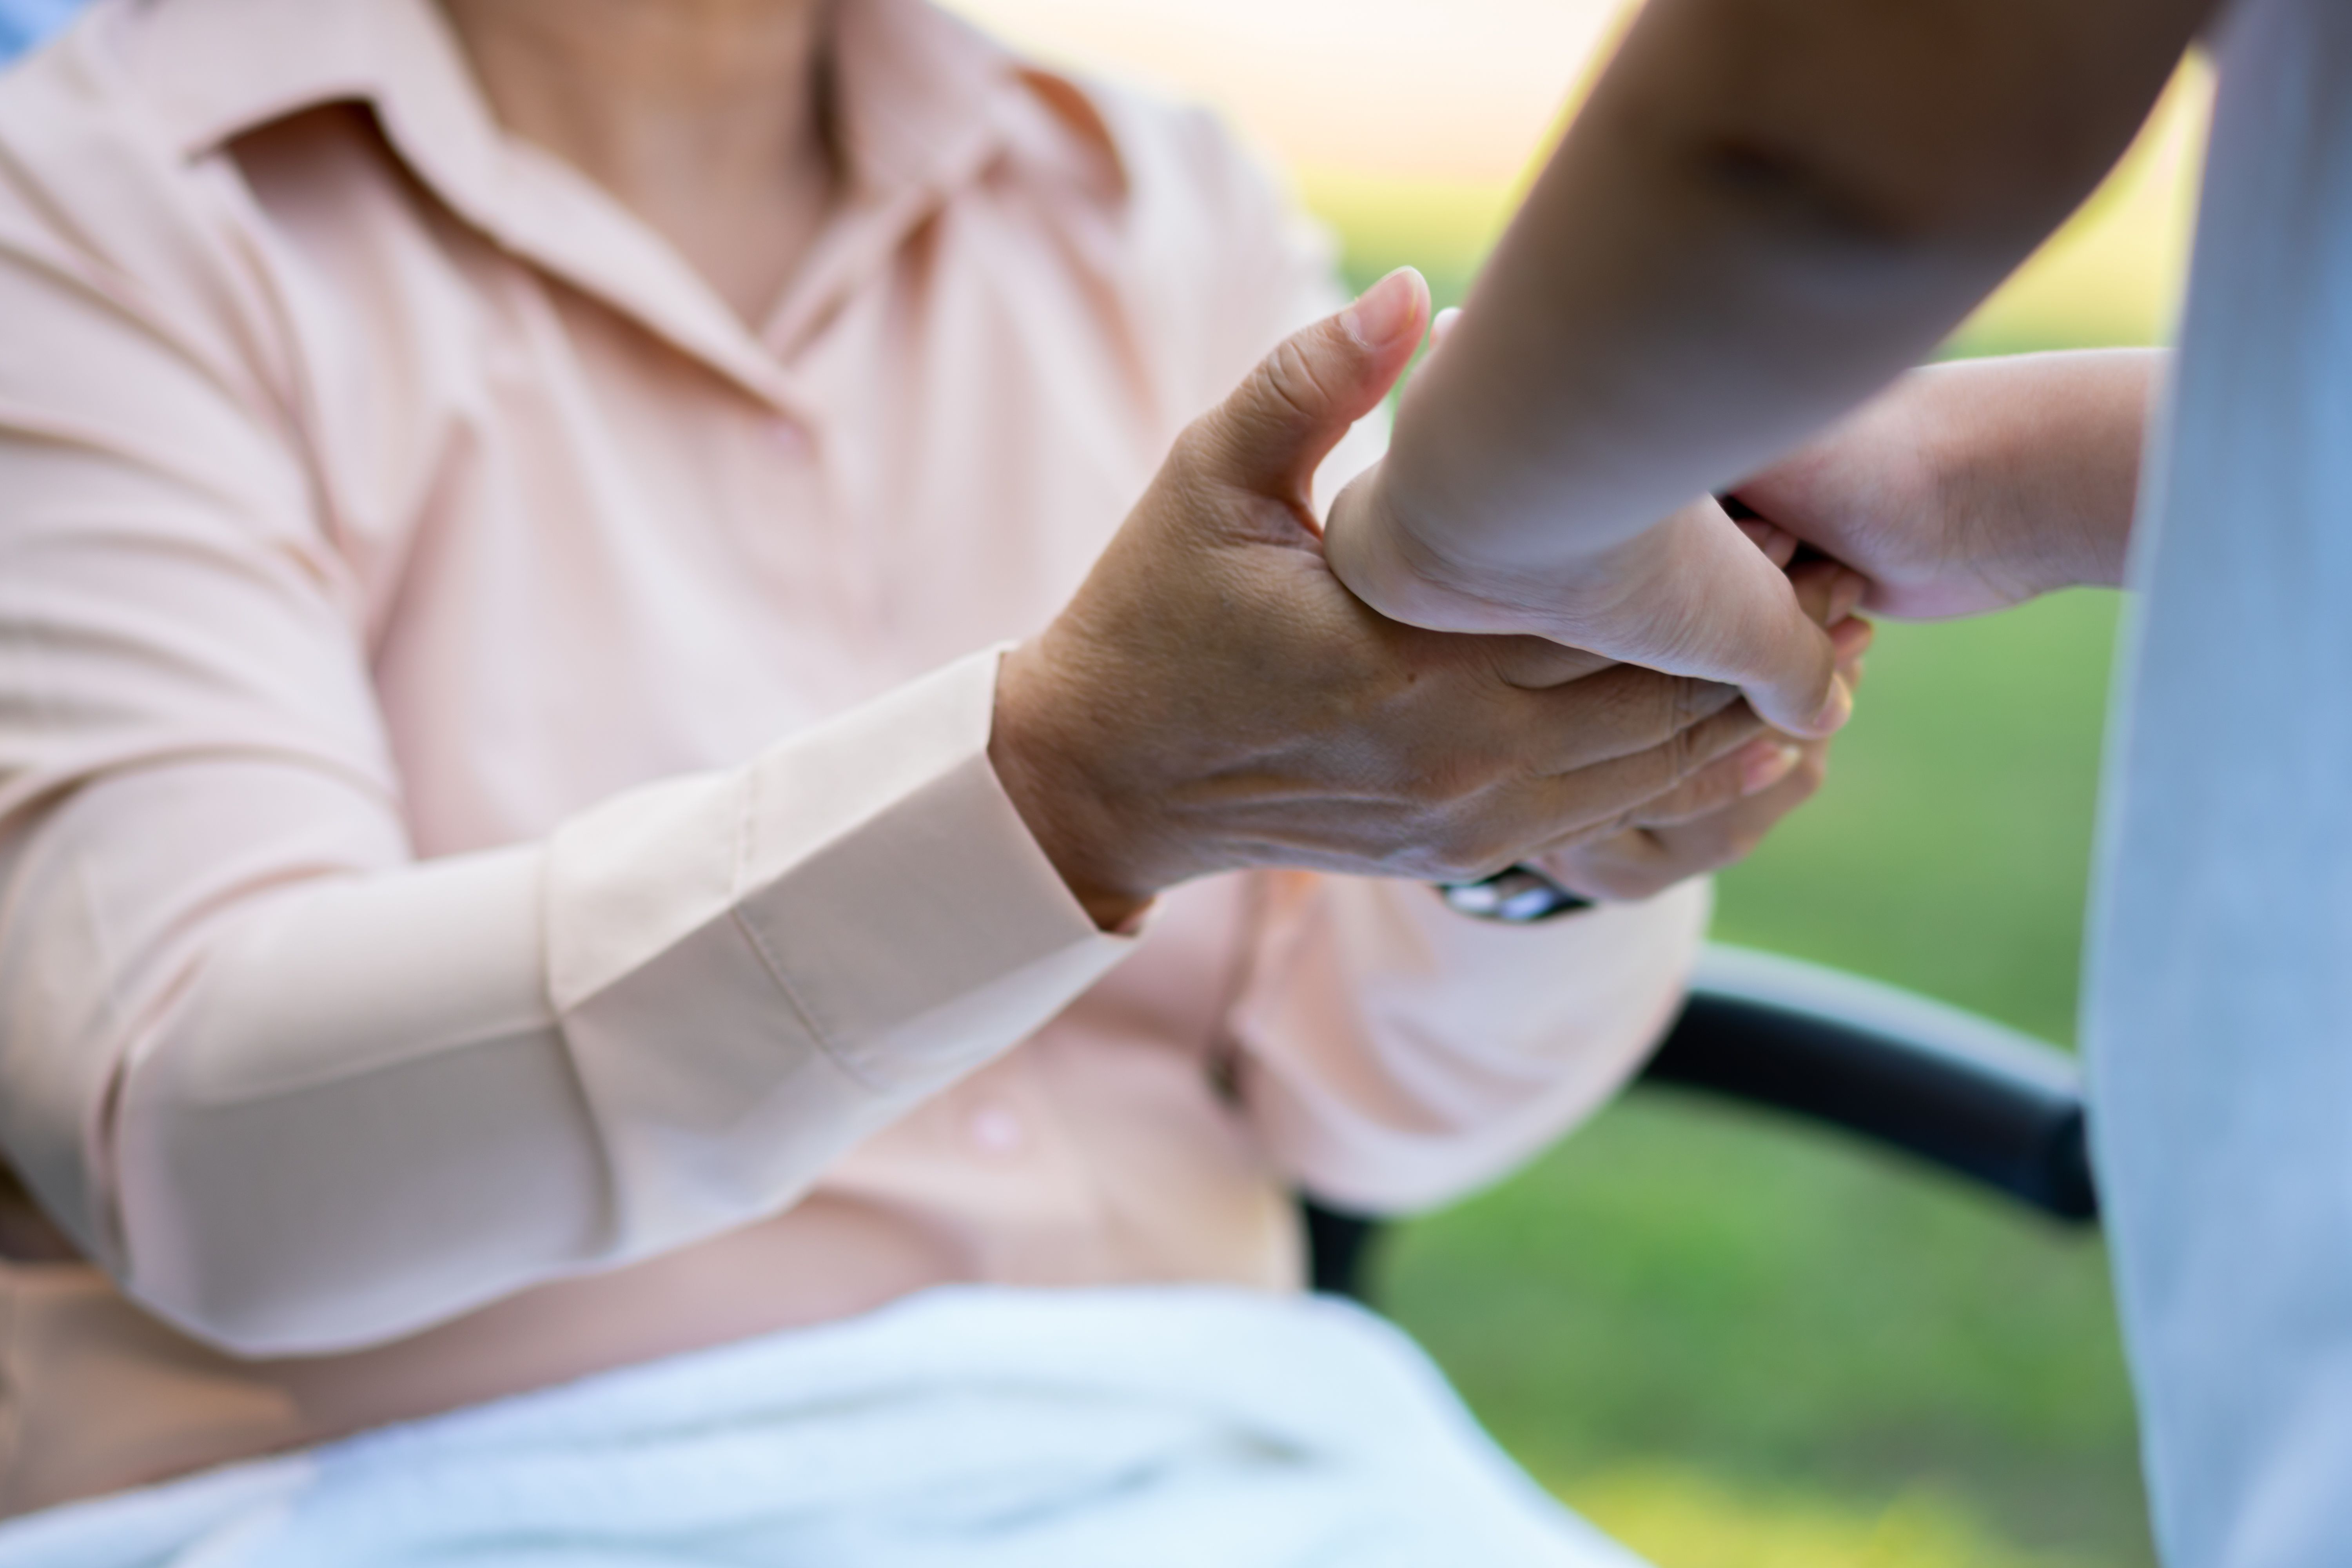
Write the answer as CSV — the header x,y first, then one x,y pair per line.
x,y
1742,1346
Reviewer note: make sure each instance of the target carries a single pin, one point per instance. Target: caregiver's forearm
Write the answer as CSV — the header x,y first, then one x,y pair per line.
x,y
1969,487
1768,208
2036,458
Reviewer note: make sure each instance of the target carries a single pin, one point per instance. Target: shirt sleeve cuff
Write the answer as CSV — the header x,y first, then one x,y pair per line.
x,y
904,907
757,968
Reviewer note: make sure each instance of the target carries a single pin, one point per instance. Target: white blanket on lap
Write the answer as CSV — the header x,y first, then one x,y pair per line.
x,y
977,1428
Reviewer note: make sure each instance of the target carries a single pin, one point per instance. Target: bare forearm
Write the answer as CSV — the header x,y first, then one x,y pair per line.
x,y
1967,487
1767,210
2042,454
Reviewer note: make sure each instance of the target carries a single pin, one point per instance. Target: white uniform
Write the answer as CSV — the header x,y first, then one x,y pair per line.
x,y
2220,1004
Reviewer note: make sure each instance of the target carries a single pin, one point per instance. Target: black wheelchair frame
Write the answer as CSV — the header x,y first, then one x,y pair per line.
x,y
1965,1095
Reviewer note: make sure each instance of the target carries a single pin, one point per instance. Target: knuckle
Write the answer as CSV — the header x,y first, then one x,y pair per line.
x,y
1709,790
1450,781
1498,841
1200,453
1619,882
1293,381
1660,705
1602,834
1652,709
1633,708
1471,861
1468,767
1688,752
1194,443
1691,701
1451,775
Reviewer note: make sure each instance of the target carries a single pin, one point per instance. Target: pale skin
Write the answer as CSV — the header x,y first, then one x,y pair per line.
x,y
1766,209
704,117
1211,699
1972,487
1968,487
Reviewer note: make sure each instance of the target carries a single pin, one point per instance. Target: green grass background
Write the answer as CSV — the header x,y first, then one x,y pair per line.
x,y
1739,1345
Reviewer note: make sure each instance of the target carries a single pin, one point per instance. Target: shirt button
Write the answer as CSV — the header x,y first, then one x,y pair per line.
x,y
995,1130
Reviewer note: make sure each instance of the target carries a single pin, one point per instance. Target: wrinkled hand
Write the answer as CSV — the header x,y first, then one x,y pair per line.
x,y
1708,822
1213,698
1687,596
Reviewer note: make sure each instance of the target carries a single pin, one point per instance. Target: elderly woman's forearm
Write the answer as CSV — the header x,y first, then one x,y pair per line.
x,y
337,1105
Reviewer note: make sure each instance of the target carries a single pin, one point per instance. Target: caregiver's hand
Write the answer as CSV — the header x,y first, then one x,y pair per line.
x,y
1213,699
1685,595
1973,486
1758,215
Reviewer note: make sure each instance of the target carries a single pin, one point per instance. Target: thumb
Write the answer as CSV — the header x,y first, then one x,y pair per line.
x,y
1279,424
1743,622
1788,663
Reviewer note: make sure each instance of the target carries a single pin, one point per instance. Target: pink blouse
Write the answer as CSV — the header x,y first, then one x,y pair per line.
x,y
499,872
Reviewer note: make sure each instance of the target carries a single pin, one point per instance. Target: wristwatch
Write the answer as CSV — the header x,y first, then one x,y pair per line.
x,y
1516,895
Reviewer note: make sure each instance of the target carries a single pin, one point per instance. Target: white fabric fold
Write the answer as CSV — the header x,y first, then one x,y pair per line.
x,y
977,1428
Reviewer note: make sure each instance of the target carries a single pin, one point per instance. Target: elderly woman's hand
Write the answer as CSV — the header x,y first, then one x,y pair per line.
x,y
1213,698
1713,820
1718,816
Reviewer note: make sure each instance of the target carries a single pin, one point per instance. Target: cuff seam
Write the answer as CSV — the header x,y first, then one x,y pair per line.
x,y
769,960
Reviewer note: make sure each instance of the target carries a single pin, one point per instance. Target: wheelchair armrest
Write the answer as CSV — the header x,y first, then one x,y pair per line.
x,y
1955,1089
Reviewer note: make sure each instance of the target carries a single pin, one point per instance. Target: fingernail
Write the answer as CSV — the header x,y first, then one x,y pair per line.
x,y
1766,762
1836,710
1851,636
1847,595
1778,545
1441,325
1382,312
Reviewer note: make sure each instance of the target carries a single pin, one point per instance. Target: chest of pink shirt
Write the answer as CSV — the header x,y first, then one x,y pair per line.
x,y
594,530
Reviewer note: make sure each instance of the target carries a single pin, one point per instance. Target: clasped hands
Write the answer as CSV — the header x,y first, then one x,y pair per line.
x,y
1213,698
